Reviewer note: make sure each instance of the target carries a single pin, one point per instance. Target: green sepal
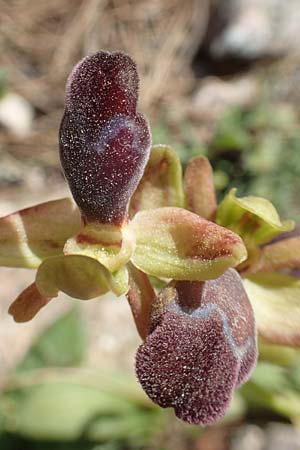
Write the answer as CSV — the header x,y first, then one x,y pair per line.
x,y
275,299
253,218
29,236
80,277
176,243
161,184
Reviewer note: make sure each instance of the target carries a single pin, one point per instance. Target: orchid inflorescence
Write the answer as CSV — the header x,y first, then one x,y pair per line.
x,y
226,269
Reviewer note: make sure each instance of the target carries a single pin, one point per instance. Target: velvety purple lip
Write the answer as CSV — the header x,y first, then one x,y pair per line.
x,y
104,141
202,347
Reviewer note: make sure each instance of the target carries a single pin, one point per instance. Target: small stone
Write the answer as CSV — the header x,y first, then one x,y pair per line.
x,y
248,437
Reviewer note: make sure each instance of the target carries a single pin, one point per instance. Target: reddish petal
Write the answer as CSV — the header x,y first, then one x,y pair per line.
x,y
284,254
199,187
140,297
28,304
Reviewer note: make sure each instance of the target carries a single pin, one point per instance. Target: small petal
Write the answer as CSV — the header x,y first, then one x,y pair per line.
x,y
199,188
202,347
104,142
161,184
175,243
284,254
140,297
275,299
28,304
33,234
109,244
78,276
253,218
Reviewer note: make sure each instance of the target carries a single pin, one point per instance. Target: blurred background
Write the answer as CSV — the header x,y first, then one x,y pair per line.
x,y
218,78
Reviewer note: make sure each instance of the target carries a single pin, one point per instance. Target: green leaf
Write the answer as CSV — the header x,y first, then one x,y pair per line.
x,y
137,426
62,411
267,381
175,243
275,299
65,404
230,134
287,403
62,344
277,354
253,218
161,184
29,236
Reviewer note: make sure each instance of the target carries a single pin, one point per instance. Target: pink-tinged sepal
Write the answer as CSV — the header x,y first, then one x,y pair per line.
x,y
176,243
202,346
30,235
281,254
161,184
199,188
104,142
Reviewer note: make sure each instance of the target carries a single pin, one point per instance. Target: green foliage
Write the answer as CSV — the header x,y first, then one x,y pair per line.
x,y
229,135
182,138
258,149
49,404
63,406
274,388
3,81
61,345
255,150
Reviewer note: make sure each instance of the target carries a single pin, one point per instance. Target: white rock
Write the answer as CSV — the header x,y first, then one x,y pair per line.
x,y
258,28
215,96
16,114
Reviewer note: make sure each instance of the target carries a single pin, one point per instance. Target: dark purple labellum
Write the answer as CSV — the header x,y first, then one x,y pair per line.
x,y
202,347
104,142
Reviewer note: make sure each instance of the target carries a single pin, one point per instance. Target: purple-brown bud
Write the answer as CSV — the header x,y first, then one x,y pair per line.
x,y
202,346
104,142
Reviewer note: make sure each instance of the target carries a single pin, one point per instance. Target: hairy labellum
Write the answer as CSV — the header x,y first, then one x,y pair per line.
x,y
203,345
104,142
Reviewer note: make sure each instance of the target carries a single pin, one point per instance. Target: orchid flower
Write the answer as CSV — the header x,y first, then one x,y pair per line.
x,y
135,220
200,336
83,250
273,248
